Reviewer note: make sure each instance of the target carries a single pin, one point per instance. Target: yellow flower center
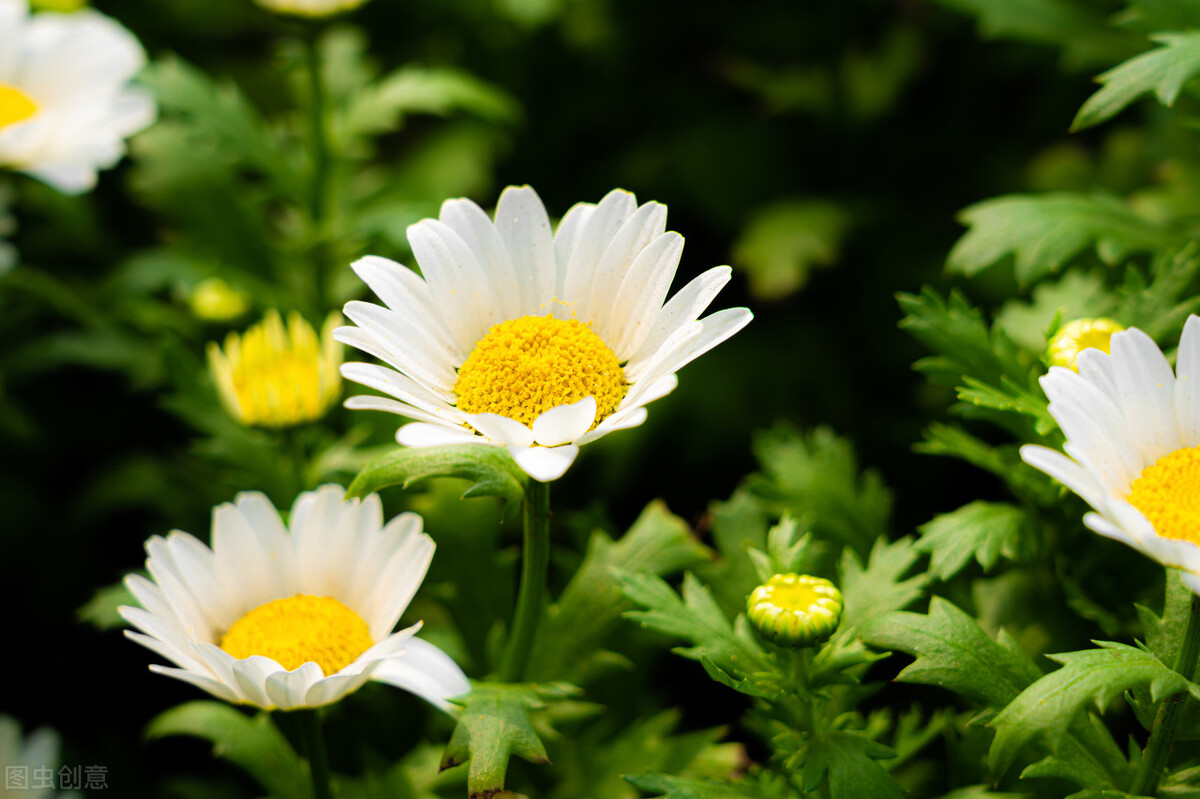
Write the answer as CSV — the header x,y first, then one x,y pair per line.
x,y
526,366
277,376
1168,494
1079,335
15,105
299,630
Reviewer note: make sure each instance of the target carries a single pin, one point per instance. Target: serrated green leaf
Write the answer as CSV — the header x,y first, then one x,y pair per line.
x,y
1163,71
881,586
491,470
1092,677
848,761
1045,232
495,725
658,543
782,243
251,742
984,531
1077,294
816,477
667,786
952,651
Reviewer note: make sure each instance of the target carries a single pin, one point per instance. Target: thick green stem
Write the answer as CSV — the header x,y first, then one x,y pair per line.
x,y
318,758
1158,748
319,188
531,597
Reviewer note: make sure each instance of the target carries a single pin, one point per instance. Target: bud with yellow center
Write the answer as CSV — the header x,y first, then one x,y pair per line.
x,y
1077,336
15,106
214,300
795,610
276,376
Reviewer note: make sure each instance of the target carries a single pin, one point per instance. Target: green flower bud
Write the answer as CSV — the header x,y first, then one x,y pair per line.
x,y
795,610
214,300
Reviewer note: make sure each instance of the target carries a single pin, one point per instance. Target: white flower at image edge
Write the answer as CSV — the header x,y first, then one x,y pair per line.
x,y
1133,444
524,337
292,618
65,104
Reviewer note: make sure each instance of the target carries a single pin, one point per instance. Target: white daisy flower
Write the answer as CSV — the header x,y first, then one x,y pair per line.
x,y
65,104
1133,437
296,616
534,340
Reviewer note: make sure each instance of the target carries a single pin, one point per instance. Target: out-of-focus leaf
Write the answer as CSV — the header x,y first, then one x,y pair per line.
x,y
984,531
667,786
1076,295
1163,71
491,470
783,243
101,610
1044,232
658,543
881,586
251,742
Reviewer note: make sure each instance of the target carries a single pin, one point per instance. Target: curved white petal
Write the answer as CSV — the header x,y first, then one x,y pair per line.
x,y
524,227
545,463
500,429
423,434
426,671
564,424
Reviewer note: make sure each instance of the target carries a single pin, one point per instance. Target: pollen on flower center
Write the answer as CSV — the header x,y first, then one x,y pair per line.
x,y
300,629
526,366
1168,494
15,105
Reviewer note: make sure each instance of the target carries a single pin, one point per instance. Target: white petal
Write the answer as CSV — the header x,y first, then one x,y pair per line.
x,y
288,689
639,230
1066,471
201,681
564,424
641,294
596,234
402,290
399,343
399,578
423,434
457,281
251,675
393,383
426,671
475,228
500,429
566,239
544,463
333,688
621,420
683,308
524,226
1147,388
714,329
1187,383
366,402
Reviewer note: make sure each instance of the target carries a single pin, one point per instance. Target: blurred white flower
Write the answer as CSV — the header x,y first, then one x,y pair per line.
x,y
292,616
65,104
532,339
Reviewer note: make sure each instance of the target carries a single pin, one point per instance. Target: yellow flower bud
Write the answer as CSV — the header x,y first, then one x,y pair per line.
x,y
276,376
1077,336
214,300
64,6
795,610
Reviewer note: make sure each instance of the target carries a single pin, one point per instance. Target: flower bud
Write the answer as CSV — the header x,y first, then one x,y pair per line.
x,y
1077,336
795,610
214,300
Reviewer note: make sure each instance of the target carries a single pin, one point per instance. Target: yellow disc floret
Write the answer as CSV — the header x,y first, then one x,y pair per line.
x,y
795,610
526,366
276,376
1168,494
299,630
1077,336
15,106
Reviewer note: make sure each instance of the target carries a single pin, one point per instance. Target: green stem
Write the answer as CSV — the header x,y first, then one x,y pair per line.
x,y
1158,748
318,758
319,142
531,597
294,451
806,716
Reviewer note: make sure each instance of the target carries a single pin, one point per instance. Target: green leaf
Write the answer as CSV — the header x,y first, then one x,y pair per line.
x,y
1003,461
816,477
491,471
1093,677
697,618
658,543
1077,294
849,762
101,610
881,586
668,786
984,531
1163,71
952,651
495,725
1045,232
251,742
782,243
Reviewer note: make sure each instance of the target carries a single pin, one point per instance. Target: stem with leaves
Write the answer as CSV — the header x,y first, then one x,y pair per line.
x,y
318,758
1158,748
531,597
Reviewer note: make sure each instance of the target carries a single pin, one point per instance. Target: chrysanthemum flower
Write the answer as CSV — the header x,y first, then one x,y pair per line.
x,y
276,376
535,340
795,610
310,8
65,104
1078,335
1133,430
296,616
